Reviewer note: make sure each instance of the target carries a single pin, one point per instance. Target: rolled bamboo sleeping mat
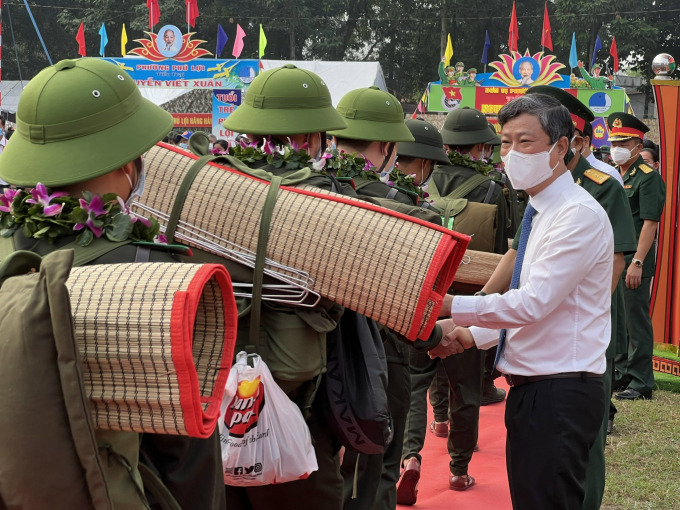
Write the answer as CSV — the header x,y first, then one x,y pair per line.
x,y
477,267
360,255
156,343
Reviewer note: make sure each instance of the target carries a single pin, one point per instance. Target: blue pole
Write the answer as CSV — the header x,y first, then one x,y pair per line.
x,y
35,25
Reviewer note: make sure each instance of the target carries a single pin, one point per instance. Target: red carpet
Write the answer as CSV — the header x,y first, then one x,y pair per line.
x,y
487,467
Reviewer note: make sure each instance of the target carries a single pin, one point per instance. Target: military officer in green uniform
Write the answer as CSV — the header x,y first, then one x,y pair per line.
x,y
646,194
611,197
82,125
595,81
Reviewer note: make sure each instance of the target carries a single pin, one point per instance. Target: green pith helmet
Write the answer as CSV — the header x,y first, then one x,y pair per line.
x,y
466,126
472,70
78,120
496,140
460,64
605,149
596,66
428,142
285,101
374,115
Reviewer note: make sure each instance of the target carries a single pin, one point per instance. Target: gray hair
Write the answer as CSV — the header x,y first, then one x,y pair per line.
x,y
554,117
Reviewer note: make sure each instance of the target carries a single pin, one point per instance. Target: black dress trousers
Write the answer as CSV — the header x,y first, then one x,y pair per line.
x,y
551,424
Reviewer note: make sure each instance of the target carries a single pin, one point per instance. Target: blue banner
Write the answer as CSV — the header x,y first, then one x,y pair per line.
x,y
201,73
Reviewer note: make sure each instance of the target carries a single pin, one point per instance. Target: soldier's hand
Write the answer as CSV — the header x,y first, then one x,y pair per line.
x,y
633,277
453,343
580,64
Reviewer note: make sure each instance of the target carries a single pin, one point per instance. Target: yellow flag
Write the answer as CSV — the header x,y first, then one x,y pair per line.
x,y
123,41
448,53
263,42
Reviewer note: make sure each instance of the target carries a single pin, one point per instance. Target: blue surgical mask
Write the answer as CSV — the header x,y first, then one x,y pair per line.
x,y
183,145
385,174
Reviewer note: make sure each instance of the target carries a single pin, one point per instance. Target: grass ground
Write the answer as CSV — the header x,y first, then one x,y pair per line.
x,y
643,453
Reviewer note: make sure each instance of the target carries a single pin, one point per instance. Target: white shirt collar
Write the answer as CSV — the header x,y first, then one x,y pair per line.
x,y
548,196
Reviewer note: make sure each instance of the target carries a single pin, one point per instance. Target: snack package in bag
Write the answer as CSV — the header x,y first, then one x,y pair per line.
x,y
264,437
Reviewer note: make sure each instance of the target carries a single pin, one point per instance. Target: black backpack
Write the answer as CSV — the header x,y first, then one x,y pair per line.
x,y
356,385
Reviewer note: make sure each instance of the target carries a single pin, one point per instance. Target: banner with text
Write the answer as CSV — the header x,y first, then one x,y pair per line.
x,y
489,100
194,120
224,104
204,73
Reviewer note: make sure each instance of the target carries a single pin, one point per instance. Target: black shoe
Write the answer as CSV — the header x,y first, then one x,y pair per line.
x,y
631,394
610,427
494,396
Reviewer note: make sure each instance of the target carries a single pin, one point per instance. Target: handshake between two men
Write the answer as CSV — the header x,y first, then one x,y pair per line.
x,y
455,339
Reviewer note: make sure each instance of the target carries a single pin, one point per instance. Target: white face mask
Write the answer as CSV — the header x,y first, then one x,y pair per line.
x,y
528,170
621,155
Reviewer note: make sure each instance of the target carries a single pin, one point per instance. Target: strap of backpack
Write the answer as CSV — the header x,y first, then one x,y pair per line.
x,y
97,248
83,254
489,193
464,189
157,488
255,340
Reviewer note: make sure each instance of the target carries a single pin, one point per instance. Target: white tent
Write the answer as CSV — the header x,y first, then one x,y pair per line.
x,y
11,90
341,77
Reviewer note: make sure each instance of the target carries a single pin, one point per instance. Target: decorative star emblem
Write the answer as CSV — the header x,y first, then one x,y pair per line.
x,y
617,123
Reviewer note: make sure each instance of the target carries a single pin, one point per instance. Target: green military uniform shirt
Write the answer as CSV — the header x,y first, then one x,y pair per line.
x,y
611,197
646,194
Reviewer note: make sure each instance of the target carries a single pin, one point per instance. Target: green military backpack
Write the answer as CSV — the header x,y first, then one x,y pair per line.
x,y
471,218
51,454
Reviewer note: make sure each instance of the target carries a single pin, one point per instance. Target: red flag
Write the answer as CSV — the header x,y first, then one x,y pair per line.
x,y
81,40
192,12
514,30
154,13
614,52
546,36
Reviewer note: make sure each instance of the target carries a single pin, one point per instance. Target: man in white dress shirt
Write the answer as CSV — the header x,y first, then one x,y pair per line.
x,y
556,315
590,157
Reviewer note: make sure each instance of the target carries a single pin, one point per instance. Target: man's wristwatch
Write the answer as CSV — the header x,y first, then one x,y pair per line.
x,y
637,262
480,293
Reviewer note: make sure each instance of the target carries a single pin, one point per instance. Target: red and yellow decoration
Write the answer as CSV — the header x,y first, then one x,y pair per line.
x,y
547,69
190,49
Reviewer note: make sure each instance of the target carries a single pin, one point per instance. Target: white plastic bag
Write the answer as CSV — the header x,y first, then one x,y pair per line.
x,y
264,437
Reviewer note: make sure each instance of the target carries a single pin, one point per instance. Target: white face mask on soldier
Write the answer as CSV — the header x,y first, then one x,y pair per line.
x,y
528,170
621,155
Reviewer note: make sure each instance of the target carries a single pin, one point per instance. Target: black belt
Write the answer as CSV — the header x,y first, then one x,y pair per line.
x,y
519,380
